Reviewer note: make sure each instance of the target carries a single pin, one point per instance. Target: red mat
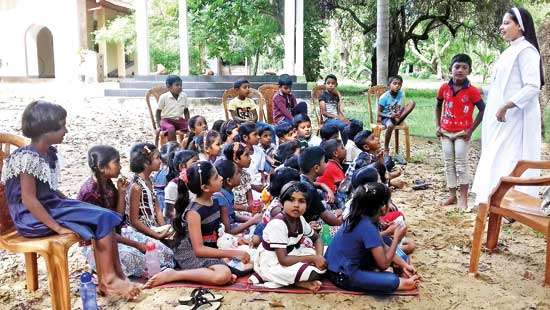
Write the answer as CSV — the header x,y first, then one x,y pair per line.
x,y
242,285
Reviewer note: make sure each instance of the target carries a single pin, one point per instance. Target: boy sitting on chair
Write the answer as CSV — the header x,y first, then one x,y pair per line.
x,y
172,106
243,108
391,111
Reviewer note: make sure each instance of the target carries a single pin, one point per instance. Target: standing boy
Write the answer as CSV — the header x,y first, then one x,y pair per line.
x,y
391,111
242,107
172,106
455,125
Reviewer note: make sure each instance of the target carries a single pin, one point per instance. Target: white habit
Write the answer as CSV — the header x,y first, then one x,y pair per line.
x,y
516,78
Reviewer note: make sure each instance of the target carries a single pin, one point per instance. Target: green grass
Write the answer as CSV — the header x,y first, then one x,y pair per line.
x,y
420,121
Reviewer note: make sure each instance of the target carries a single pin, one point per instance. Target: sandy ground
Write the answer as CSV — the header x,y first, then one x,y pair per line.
x,y
510,279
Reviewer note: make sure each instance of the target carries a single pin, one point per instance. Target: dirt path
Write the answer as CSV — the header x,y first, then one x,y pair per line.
x,y
510,279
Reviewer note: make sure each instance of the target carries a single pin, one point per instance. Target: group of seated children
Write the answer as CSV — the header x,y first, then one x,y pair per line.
x,y
268,201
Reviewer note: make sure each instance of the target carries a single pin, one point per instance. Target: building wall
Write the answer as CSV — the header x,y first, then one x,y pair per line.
x,y
24,19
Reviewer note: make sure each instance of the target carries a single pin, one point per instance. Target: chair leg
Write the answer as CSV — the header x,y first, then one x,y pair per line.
x,y
478,232
31,271
547,273
407,144
493,231
58,277
396,134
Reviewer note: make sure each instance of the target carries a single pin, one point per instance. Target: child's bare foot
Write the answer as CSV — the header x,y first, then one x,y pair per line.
x,y
119,287
409,283
449,201
313,286
165,276
233,279
397,183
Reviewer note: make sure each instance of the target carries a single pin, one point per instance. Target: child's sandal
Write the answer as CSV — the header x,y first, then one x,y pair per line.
x,y
200,292
201,303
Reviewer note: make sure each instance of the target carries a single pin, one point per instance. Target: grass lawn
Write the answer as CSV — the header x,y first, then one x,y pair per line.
x,y
421,120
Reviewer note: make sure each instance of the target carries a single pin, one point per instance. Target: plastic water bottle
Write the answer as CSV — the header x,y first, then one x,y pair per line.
x,y
325,235
88,292
152,260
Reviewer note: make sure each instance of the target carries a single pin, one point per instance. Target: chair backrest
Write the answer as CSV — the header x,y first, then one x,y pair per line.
x,y
315,94
376,92
7,141
254,95
156,91
268,91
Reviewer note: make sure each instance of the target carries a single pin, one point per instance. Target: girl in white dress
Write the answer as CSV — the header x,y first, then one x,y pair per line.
x,y
283,258
511,128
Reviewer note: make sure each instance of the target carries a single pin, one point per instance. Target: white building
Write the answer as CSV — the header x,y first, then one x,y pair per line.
x,y
46,38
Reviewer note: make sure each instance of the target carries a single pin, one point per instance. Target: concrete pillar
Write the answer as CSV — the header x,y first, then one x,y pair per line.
x,y
121,60
290,20
299,68
142,37
102,46
183,38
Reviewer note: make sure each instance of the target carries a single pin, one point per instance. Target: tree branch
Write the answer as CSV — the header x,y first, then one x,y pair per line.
x,y
366,28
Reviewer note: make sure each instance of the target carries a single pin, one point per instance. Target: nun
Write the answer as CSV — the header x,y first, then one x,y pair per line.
x,y
511,129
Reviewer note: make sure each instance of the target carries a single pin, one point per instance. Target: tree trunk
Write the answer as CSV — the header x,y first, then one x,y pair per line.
x,y
382,40
256,62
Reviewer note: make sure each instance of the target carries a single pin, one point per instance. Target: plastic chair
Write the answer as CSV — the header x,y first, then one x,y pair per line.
x,y
160,136
53,248
376,92
268,91
254,95
508,202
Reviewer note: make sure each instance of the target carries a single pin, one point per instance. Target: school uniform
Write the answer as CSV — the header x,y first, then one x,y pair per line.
x,y
277,234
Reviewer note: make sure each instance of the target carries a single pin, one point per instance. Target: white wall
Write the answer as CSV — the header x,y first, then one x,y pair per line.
x,y
61,18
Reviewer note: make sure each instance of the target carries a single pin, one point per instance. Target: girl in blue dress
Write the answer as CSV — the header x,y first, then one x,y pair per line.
x,y
31,176
358,257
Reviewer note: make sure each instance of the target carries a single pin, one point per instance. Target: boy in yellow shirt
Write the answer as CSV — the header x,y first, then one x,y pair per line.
x,y
243,108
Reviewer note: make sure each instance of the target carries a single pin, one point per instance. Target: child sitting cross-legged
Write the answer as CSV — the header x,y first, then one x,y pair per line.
x,y
99,190
231,178
273,207
304,135
196,227
352,151
334,173
172,106
285,132
391,109
312,165
181,161
248,134
265,132
145,222
243,108
282,258
358,257
197,125
209,146
228,131
159,177
238,153
39,209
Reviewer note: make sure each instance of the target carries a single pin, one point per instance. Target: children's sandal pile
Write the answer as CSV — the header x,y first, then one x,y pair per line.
x,y
200,299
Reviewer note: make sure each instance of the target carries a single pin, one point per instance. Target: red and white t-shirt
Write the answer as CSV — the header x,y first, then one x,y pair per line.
x,y
458,108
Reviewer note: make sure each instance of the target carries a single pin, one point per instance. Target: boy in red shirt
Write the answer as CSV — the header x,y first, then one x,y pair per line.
x,y
455,125
335,153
